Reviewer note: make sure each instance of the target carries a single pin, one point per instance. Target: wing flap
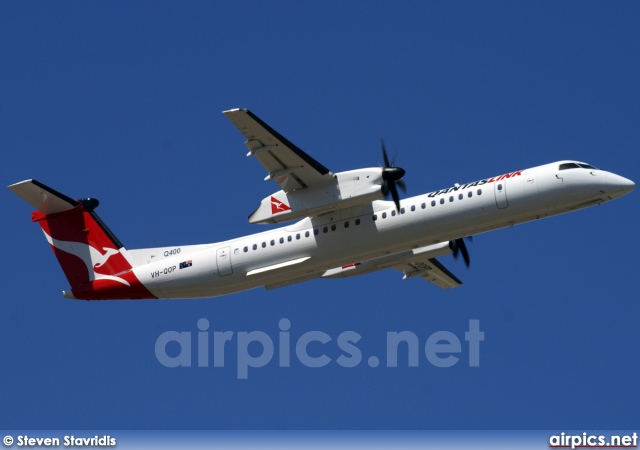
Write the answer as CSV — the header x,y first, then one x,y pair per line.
x,y
432,271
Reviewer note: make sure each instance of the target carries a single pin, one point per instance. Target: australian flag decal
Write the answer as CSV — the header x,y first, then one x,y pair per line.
x,y
185,264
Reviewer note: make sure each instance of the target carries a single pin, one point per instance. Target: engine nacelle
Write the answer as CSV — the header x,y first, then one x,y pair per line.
x,y
346,189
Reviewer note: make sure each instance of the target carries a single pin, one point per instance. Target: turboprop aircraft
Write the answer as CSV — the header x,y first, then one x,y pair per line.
x,y
341,226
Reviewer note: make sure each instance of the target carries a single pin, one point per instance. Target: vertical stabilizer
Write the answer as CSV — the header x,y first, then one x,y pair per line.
x,y
94,261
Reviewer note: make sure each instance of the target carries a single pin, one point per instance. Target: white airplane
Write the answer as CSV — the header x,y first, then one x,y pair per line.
x,y
345,228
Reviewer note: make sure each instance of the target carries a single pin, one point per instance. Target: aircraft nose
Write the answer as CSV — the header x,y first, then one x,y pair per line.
x,y
619,185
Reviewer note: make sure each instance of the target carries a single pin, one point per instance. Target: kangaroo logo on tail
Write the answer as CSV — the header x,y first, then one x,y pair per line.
x,y
91,257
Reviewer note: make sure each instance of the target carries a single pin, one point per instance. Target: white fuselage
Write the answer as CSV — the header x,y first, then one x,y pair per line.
x,y
310,247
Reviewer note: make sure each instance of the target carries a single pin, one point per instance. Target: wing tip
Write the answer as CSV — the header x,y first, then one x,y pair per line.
x,y
234,110
16,185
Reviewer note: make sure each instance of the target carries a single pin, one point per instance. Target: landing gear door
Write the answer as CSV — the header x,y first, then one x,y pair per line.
x,y
500,190
223,260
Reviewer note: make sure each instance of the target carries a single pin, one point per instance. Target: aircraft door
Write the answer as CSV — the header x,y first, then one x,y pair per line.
x,y
500,191
223,260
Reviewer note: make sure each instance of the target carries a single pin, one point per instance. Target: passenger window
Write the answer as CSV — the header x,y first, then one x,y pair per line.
x,y
325,229
255,246
393,212
316,231
246,249
357,221
401,210
264,245
451,198
346,224
413,208
307,234
433,203
460,196
470,194
289,238
282,240
384,215
424,205
333,227
297,236
500,186
479,191
442,201
375,217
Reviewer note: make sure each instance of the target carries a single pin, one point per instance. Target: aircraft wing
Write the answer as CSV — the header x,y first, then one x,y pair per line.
x,y
418,262
285,163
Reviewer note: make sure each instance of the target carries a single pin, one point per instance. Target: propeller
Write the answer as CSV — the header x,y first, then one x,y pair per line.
x,y
459,247
392,178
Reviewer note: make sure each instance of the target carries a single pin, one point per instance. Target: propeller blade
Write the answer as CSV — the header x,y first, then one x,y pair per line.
x,y
384,154
465,252
401,185
457,247
394,195
453,245
385,187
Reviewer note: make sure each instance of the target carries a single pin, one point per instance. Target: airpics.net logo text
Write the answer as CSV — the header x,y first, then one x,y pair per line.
x,y
256,349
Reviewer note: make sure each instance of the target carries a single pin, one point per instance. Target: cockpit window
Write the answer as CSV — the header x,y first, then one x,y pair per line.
x,y
587,166
566,166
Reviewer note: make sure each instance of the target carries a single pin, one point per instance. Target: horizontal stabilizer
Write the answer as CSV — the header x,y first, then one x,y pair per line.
x,y
43,198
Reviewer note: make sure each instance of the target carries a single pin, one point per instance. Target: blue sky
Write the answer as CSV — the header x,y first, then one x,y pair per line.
x,y
122,102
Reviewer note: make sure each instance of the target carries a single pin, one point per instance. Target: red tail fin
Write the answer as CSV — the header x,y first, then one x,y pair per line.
x,y
94,261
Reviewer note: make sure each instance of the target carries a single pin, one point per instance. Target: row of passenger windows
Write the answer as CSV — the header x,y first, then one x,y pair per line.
x,y
298,236
461,196
433,203
333,227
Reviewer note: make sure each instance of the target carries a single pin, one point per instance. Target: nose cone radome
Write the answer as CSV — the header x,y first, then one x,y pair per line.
x,y
619,185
